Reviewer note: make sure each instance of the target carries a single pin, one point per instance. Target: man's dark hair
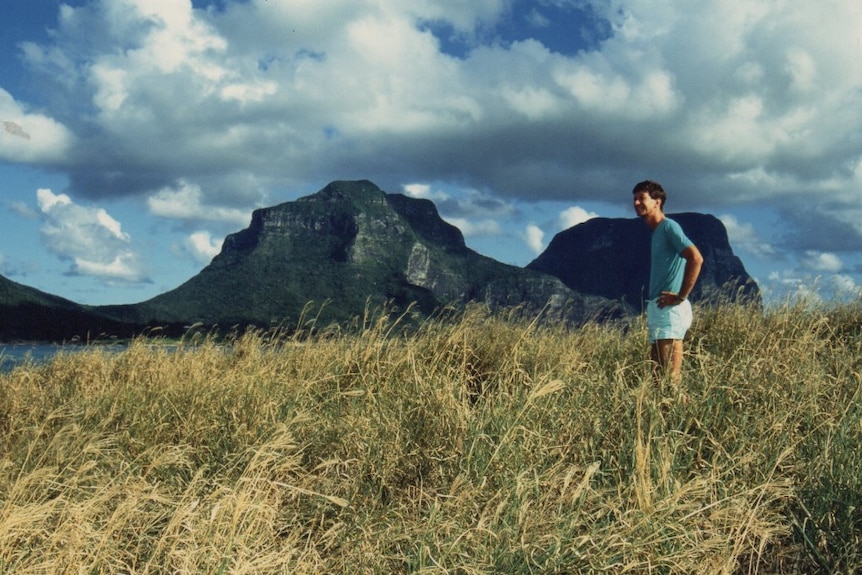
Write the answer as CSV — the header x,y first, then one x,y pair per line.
x,y
654,190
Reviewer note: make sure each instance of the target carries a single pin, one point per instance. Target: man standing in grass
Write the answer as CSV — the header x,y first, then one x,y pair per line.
x,y
675,264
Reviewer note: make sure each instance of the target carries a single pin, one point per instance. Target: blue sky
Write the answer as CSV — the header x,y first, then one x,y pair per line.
x,y
136,134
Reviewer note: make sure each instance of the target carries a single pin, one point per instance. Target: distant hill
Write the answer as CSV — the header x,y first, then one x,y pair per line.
x,y
27,314
351,246
610,258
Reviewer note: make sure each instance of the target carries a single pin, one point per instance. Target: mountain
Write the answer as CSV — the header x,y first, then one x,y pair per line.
x,y
350,245
27,314
609,258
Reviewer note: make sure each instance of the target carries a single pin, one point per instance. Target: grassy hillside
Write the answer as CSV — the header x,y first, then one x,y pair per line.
x,y
29,314
473,446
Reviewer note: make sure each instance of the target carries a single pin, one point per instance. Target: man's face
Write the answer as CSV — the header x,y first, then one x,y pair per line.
x,y
645,206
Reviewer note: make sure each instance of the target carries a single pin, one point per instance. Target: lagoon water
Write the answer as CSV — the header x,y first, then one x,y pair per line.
x,y
13,355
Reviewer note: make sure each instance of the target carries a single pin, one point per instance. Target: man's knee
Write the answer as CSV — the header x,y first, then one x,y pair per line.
x,y
667,351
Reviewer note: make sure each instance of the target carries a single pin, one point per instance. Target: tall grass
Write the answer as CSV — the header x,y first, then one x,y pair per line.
x,y
473,444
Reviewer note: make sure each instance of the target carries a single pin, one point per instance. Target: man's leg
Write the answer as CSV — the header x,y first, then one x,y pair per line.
x,y
666,355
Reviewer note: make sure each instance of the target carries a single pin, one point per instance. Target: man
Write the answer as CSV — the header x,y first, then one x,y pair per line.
x,y
675,264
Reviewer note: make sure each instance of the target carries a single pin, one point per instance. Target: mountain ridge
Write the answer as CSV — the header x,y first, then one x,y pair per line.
x,y
28,314
350,245
347,247
609,257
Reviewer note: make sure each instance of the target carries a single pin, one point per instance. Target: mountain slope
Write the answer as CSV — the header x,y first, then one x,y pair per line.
x,y
29,314
609,257
349,245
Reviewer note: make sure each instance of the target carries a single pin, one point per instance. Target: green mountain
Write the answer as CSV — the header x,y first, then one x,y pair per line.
x,y
351,246
348,246
588,259
28,314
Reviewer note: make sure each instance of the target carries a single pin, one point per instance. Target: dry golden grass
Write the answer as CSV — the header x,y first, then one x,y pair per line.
x,y
472,445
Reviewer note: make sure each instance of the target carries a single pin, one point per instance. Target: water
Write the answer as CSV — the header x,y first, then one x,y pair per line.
x,y
13,355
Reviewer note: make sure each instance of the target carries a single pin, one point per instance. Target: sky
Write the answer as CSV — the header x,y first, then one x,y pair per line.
x,y
136,134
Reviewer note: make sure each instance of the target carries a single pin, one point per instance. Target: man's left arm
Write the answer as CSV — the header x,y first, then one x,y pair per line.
x,y
693,263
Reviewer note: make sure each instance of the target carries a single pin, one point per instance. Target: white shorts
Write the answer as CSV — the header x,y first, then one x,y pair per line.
x,y
669,322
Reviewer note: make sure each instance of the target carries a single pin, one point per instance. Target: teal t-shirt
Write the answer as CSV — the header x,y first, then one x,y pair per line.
x,y
667,267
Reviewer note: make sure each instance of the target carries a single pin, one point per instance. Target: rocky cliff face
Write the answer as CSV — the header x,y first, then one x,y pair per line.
x,y
610,258
349,245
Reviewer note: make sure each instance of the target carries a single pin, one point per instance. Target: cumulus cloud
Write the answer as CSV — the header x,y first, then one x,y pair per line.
x,y
789,284
822,262
158,98
534,236
282,88
845,287
185,202
425,192
475,213
31,138
202,246
23,210
473,228
744,236
89,238
573,216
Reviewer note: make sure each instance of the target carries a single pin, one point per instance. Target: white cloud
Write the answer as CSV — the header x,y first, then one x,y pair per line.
x,y
23,210
610,93
30,138
475,213
534,103
573,216
789,285
534,236
286,90
471,228
814,289
89,237
462,204
244,93
822,262
425,192
802,69
123,267
166,39
745,237
156,98
185,202
202,246
538,20
47,200
845,286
